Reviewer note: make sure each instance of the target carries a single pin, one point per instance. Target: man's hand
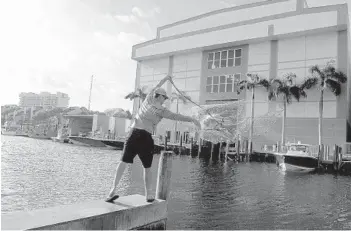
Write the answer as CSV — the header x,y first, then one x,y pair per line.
x,y
169,78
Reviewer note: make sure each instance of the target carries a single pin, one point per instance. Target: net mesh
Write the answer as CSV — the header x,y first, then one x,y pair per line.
x,y
229,121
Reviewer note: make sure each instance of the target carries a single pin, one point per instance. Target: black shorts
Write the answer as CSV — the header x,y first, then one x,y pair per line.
x,y
139,142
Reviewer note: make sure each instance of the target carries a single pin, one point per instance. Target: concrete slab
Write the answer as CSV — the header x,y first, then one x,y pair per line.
x,y
127,212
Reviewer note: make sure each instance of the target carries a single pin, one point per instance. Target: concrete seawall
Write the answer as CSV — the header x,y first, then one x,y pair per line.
x,y
129,212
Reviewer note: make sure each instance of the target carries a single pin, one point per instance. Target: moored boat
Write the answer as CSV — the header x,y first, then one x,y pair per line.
x,y
298,158
86,141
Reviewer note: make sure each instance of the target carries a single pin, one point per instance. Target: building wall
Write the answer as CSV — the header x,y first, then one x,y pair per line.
x,y
77,125
243,32
118,126
100,124
228,16
44,99
272,45
297,55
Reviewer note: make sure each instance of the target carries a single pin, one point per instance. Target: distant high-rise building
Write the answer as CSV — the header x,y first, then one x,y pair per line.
x,y
43,99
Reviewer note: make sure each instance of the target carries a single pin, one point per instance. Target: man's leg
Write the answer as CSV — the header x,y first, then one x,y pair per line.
x,y
119,173
148,183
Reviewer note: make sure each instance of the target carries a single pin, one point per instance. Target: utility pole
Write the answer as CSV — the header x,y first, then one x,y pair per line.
x,y
91,87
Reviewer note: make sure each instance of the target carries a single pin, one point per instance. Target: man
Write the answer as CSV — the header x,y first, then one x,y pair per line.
x,y
139,139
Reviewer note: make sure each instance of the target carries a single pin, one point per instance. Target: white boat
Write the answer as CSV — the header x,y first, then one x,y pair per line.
x,y
298,158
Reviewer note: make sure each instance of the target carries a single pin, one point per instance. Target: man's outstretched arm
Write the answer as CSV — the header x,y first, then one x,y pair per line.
x,y
167,114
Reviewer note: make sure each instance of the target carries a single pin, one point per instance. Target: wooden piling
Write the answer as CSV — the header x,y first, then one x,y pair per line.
x,y
339,158
199,149
180,149
320,154
238,150
164,175
335,156
226,150
192,146
220,149
165,144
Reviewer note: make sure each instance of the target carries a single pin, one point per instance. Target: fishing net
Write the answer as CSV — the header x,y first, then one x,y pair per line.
x,y
229,121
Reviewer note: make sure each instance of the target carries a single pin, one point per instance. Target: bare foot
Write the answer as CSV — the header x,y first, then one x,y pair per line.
x,y
149,198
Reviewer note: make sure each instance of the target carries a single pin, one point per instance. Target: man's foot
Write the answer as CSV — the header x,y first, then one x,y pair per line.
x,y
150,199
111,198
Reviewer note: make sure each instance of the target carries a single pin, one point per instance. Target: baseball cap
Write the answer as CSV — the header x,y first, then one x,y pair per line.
x,y
161,91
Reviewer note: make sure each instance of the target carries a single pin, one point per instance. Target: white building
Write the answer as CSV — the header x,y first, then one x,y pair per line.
x,y
269,38
44,99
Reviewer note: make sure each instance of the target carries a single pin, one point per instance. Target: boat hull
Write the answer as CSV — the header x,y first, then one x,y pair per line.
x,y
297,163
86,141
295,168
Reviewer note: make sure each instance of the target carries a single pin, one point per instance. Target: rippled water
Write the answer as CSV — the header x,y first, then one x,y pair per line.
x,y
205,194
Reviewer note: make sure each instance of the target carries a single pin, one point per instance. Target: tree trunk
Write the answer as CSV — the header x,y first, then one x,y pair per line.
x,y
320,121
252,119
283,122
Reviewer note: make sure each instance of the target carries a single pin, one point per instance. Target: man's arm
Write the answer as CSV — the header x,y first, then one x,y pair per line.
x,y
151,93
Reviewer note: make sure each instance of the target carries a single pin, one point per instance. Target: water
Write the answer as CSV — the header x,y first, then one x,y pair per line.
x,y
205,194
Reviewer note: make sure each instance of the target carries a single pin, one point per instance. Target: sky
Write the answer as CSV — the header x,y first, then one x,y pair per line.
x,y
57,45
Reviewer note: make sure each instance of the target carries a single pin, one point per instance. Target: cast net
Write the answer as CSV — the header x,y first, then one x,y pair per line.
x,y
229,121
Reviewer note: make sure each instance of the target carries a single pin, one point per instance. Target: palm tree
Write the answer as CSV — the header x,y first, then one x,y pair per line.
x,y
324,78
183,97
138,93
287,89
252,81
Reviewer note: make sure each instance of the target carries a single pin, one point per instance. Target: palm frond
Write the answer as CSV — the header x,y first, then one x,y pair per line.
x,y
241,86
309,83
295,91
333,86
338,76
316,70
276,82
264,83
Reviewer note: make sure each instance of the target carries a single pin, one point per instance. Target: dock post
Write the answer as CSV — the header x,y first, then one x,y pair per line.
x,y
199,149
248,148
238,150
191,146
164,175
181,145
339,158
226,150
165,144
335,156
320,154
220,149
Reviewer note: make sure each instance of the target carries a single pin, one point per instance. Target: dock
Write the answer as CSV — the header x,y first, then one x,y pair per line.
x,y
130,212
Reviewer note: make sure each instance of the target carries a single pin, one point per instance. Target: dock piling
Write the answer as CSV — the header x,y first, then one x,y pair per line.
x,y
164,175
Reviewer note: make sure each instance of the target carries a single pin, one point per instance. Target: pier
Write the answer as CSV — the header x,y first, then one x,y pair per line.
x,y
130,212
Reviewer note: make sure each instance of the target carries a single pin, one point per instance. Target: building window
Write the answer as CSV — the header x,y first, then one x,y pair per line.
x,y
225,58
223,83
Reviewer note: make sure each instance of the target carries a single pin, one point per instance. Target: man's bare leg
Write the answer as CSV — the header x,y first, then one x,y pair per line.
x,y
119,173
148,184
